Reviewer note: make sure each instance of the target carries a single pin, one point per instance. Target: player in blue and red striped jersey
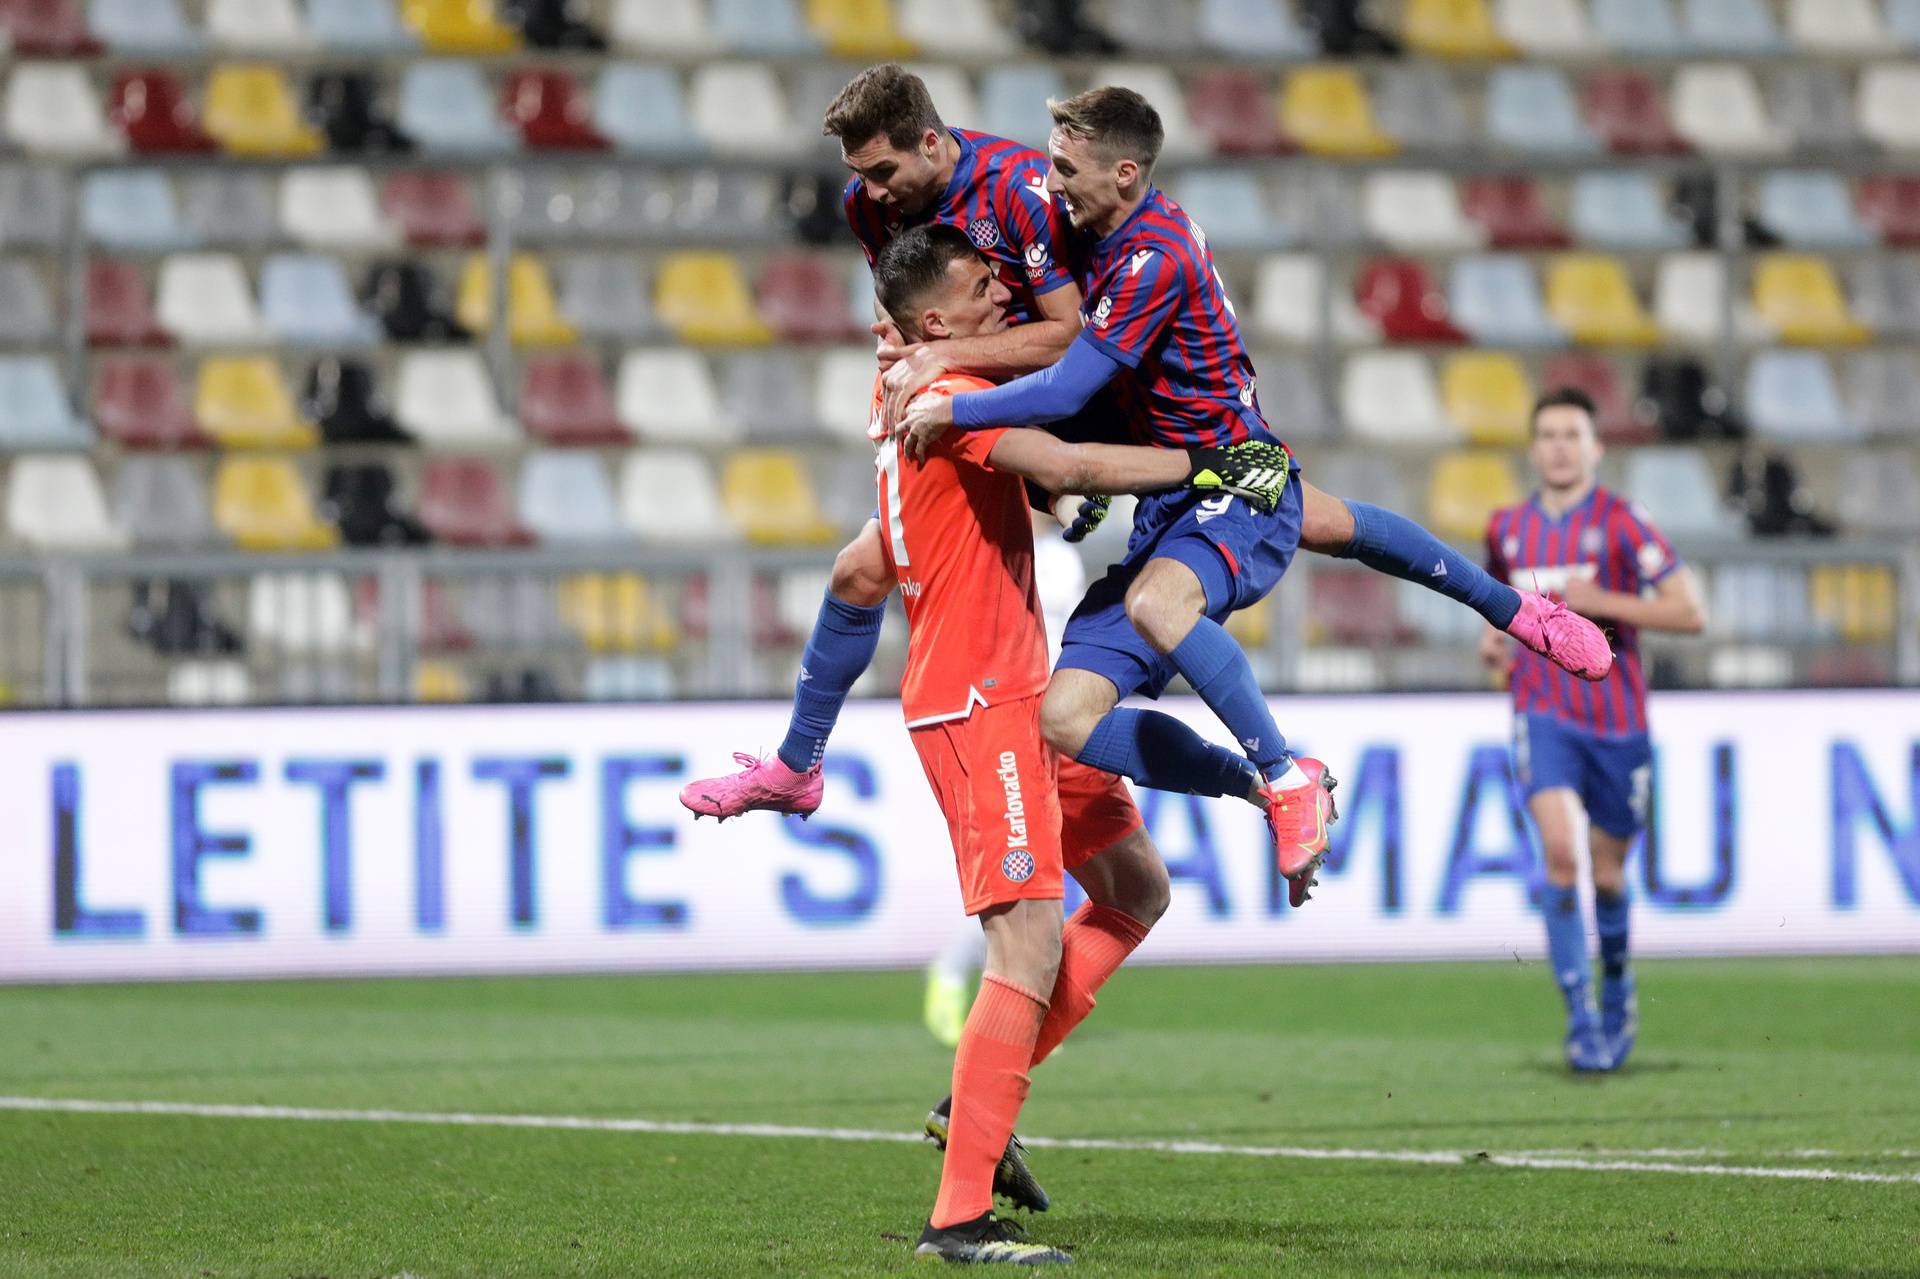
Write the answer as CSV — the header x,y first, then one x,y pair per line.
x,y
1580,750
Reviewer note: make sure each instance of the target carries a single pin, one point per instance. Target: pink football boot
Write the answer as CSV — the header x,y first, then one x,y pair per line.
x,y
1562,636
765,784
1298,820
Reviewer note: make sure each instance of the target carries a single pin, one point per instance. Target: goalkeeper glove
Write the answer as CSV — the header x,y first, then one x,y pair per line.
x,y
1255,470
1092,511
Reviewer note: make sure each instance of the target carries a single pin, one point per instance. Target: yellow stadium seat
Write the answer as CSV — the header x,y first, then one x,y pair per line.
x,y
769,498
1487,396
1854,599
1592,299
1251,626
251,110
1465,489
438,682
460,26
616,613
858,28
242,402
1798,295
1453,29
705,298
533,314
262,505
1327,110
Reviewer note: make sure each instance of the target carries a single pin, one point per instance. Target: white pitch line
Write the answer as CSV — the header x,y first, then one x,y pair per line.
x,y
588,1123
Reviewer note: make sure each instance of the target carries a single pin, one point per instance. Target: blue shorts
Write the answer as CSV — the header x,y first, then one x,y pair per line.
x,y
1238,554
1613,776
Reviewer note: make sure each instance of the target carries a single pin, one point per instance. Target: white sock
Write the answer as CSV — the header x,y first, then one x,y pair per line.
x,y
1291,778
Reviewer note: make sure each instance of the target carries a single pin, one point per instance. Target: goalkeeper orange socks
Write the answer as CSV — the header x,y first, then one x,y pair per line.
x,y
1095,942
989,1086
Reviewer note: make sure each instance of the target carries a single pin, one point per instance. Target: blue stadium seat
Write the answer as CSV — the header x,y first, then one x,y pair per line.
x,y
1416,103
761,26
1228,206
1639,26
1255,29
1532,108
369,26
641,110
1903,21
34,413
1791,395
1679,489
447,106
1811,207
1497,299
132,209
1625,209
565,496
1743,27
305,298
143,26
1016,101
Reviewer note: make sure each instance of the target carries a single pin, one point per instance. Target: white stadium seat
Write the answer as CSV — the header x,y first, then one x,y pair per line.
x,y
204,299
668,394
739,109
1390,397
1716,106
446,398
334,208
669,495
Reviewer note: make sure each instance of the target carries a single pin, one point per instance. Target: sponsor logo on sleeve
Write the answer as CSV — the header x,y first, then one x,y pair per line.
x,y
1103,313
1652,558
1037,261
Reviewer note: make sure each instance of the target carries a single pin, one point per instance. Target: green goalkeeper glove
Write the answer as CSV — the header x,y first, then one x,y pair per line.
x,y
1255,470
1092,511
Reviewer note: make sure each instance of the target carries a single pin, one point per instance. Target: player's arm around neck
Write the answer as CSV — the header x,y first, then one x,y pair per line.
x,y
1060,467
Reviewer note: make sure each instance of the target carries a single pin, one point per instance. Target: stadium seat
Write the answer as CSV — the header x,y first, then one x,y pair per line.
x,y
404,296
1886,294
1889,107
204,300
949,86
1854,601
1743,28
565,497
464,27
1625,108
843,391
1327,110
668,394
858,29
704,298
34,208
1293,400
1417,104
119,309
439,683
251,111
359,498
1892,206
958,28
669,495
1390,397
769,498
138,403
305,300
1690,299
132,209
1589,295
333,208
230,206
1513,214
1532,108
799,297
432,209
1233,111
54,503
1453,29
446,106
662,27
445,398
1149,26
768,394
1678,488
360,26
604,296
161,502
1418,211
1496,298
1811,207
142,27
1814,105
1015,101
1791,395
1903,21
304,614
346,106
1624,209
1640,27
615,613
737,107
1546,28
1254,29
557,24
26,312
564,400
47,29
1231,209
463,502
1487,396
1288,302
1678,398
533,314
550,110
341,396
761,27
261,502
1879,492
242,403
1157,85
1798,295
260,26
1614,413
1401,297
1716,108
1882,388
1837,26
1464,491
1352,606
640,110
155,114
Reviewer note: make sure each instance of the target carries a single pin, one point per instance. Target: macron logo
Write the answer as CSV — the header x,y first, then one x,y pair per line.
x,y
1139,260
1439,569
1037,188
1251,743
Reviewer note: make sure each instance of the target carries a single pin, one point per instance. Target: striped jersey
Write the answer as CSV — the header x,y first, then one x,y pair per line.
x,y
1610,542
1155,303
998,196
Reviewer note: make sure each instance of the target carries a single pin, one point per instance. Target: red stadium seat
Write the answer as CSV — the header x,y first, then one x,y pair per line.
x,y
564,400
1347,606
463,502
140,403
1594,374
119,308
1513,215
433,209
803,299
550,111
1893,205
1401,296
156,116
48,29
1624,107
1235,110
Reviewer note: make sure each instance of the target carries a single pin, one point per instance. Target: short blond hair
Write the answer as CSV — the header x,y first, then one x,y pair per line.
x,y
1118,121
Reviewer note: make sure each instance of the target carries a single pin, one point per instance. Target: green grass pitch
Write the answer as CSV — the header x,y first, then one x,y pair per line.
x,y
1802,1064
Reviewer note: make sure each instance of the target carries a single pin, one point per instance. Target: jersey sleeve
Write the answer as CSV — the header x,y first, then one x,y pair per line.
x,y
1136,305
864,220
1497,566
1643,545
967,446
1035,224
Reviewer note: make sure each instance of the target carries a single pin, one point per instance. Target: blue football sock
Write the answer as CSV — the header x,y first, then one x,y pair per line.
x,y
1610,921
1212,662
1393,544
1567,944
1160,752
842,644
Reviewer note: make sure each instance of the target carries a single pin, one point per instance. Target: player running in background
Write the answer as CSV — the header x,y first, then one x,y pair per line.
x,y
1581,753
